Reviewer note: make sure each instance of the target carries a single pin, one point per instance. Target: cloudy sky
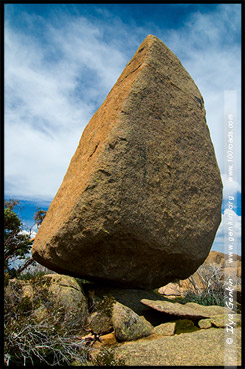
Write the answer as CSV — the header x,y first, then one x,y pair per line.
x,y
61,60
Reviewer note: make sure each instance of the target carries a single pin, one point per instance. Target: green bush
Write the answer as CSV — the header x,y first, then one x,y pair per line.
x,y
204,298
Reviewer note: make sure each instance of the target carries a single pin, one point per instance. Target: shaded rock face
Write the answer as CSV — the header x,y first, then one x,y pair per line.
x,y
128,297
141,200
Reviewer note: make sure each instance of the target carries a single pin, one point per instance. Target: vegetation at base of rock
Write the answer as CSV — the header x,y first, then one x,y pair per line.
x,y
212,291
204,298
33,340
29,275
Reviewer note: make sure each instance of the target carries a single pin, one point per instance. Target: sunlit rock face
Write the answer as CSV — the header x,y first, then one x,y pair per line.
x,y
140,203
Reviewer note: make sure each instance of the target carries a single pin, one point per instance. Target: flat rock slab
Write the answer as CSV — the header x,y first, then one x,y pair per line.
x,y
140,203
189,310
205,347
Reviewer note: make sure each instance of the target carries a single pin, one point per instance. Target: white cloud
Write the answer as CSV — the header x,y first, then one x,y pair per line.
x,y
31,234
48,104
230,188
206,48
52,88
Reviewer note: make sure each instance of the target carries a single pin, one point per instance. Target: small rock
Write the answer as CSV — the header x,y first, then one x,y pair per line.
x,y
218,321
204,323
165,329
128,325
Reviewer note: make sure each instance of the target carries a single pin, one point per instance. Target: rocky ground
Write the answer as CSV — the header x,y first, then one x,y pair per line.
x,y
205,347
141,327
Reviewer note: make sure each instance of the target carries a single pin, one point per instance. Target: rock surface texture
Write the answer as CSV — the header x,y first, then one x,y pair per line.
x,y
140,203
204,347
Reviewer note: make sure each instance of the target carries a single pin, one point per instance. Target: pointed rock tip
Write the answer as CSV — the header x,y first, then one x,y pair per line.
x,y
151,40
152,37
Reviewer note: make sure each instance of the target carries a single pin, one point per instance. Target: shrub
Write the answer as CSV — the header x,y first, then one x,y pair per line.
x,y
212,290
205,298
37,340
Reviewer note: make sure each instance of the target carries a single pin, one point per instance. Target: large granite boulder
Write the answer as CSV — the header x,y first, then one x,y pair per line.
x,y
140,203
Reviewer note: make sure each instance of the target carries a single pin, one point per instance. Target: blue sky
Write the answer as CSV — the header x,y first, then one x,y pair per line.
x,y
61,60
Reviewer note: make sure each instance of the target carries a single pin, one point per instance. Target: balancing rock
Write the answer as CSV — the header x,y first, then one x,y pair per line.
x,y
140,203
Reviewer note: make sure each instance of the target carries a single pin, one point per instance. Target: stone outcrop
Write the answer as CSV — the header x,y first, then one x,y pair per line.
x,y
51,295
140,203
